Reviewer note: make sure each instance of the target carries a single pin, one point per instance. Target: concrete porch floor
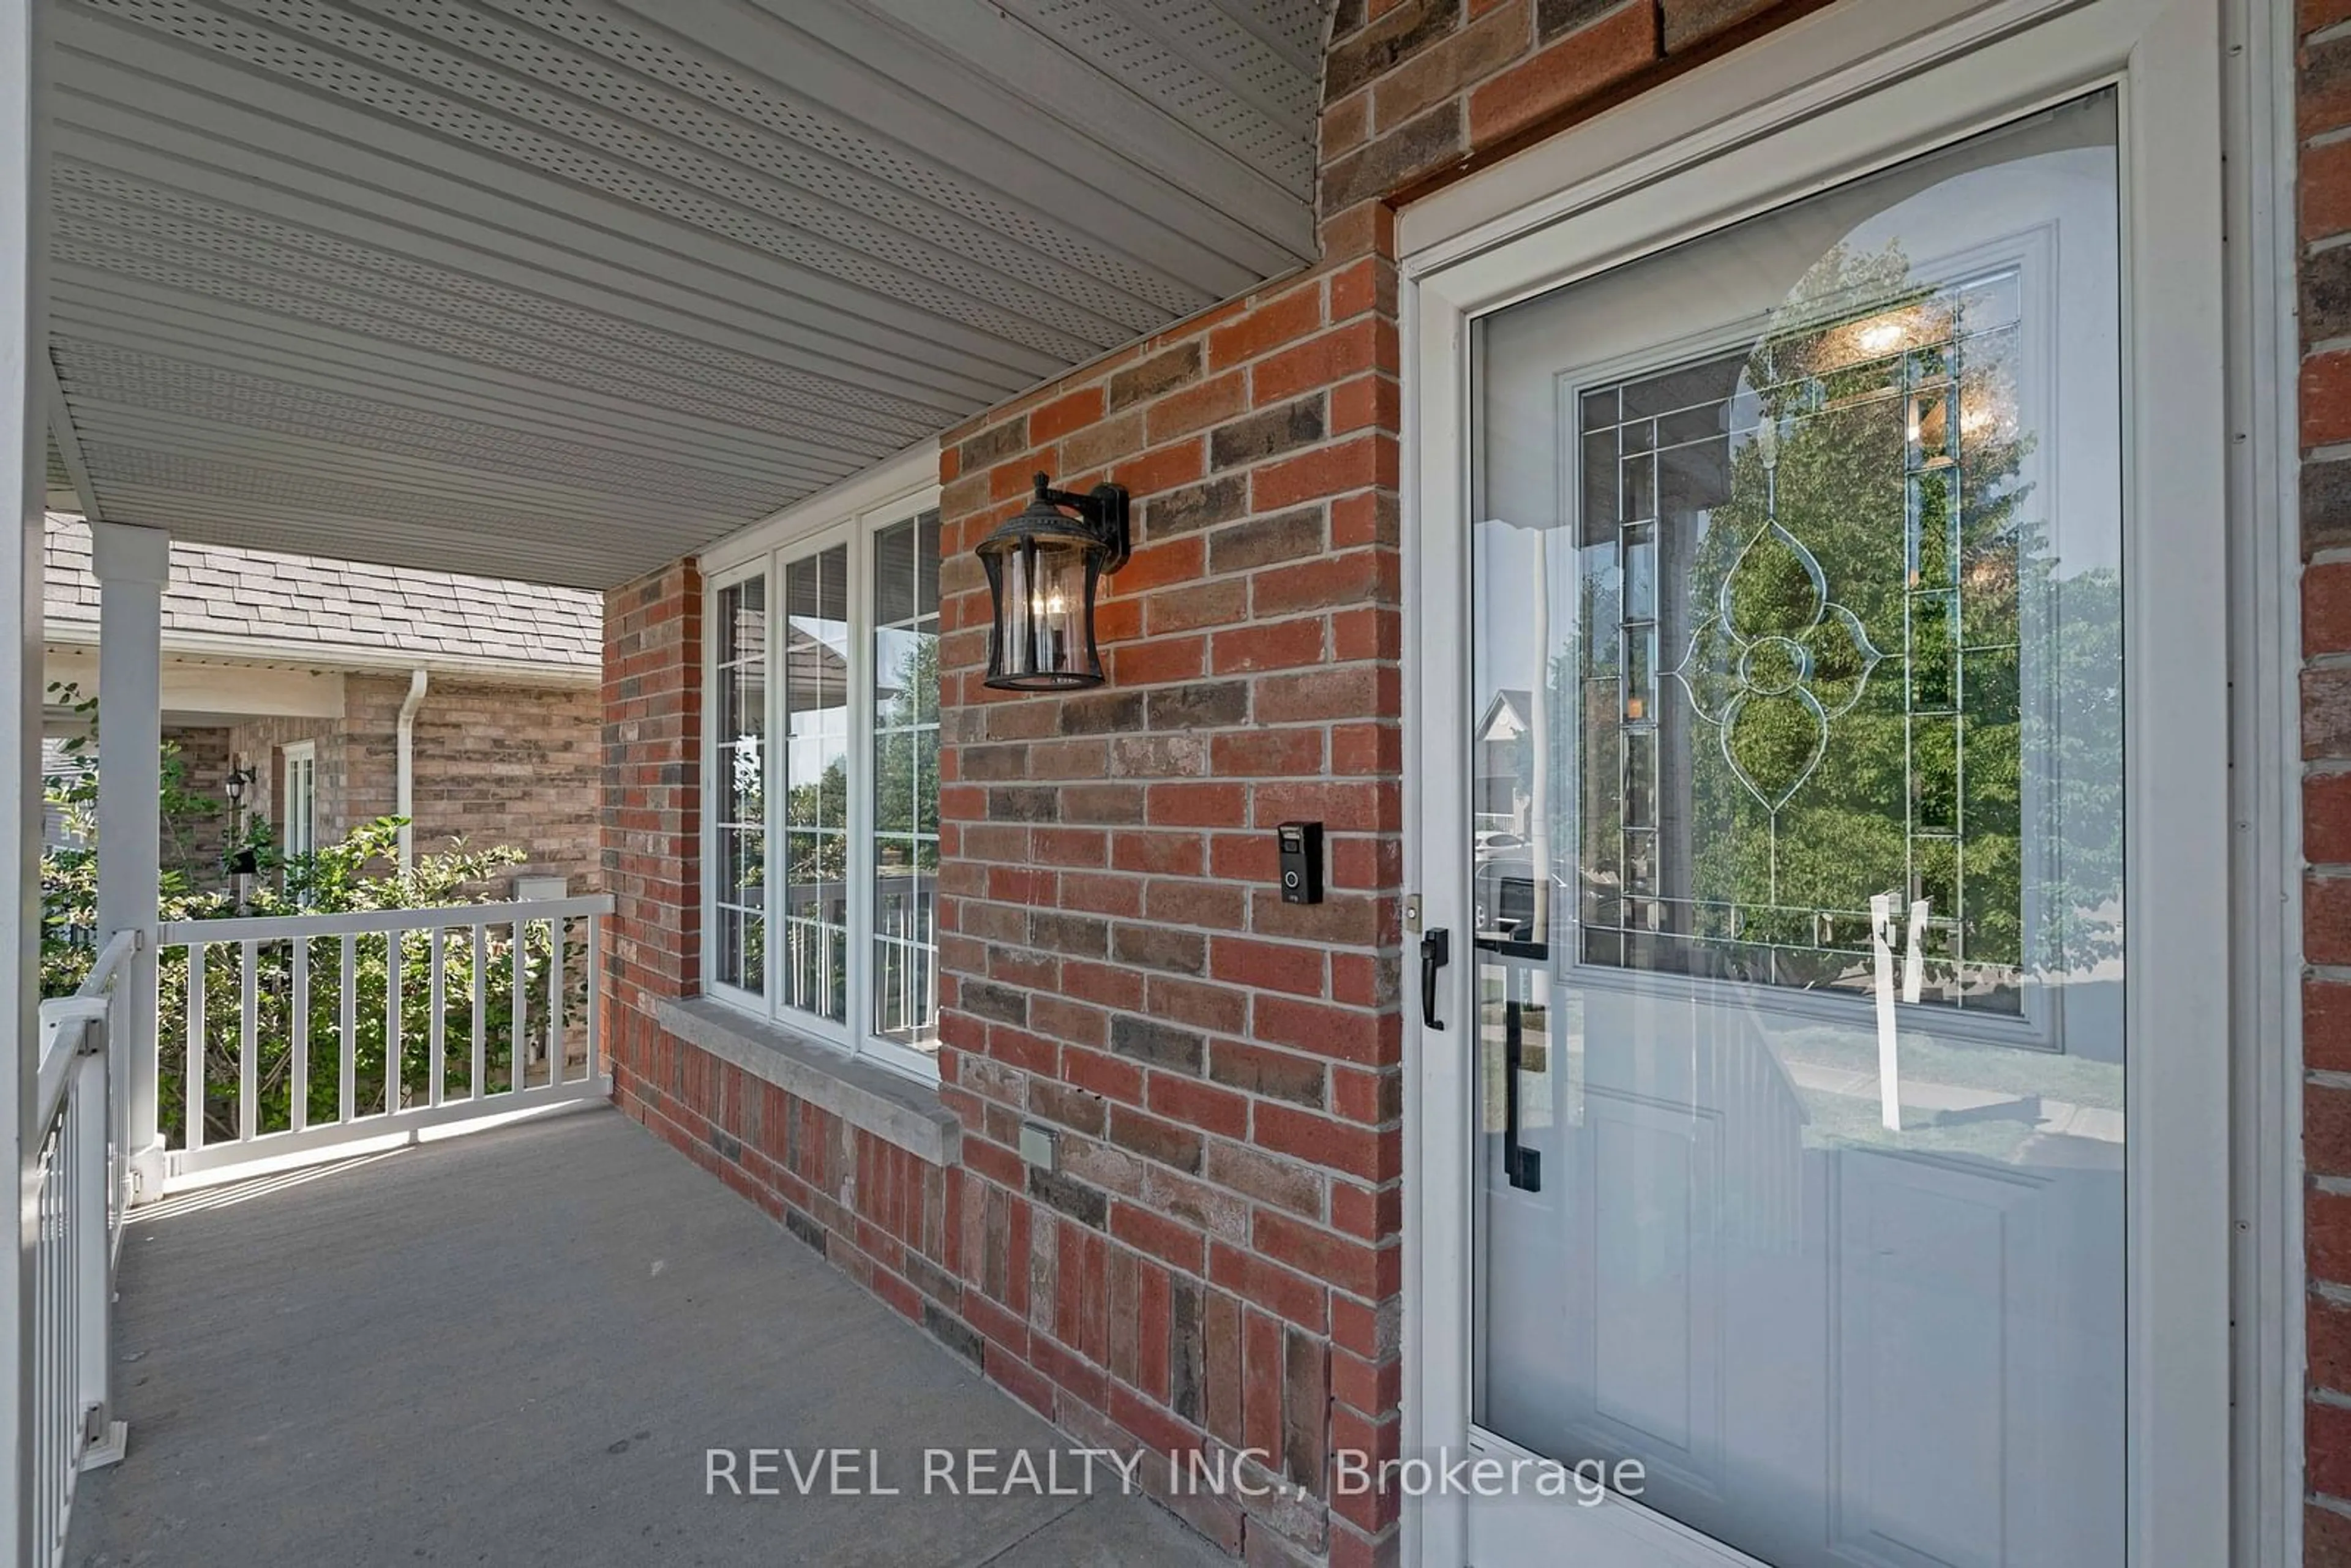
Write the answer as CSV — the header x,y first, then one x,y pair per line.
x,y
515,1348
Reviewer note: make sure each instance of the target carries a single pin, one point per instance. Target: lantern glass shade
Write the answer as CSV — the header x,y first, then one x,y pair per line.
x,y
1043,587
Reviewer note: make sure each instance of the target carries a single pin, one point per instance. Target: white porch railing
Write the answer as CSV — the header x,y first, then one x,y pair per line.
x,y
74,1209
288,1040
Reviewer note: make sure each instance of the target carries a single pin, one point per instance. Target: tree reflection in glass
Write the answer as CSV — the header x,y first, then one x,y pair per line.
x,y
1809,571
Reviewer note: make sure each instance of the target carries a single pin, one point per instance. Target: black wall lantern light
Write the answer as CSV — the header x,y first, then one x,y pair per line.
x,y
242,859
1043,567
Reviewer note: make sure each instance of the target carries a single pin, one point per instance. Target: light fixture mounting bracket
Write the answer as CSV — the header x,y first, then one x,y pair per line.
x,y
1105,510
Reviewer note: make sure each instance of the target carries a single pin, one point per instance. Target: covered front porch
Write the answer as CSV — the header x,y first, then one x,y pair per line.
x,y
518,1348
1686,860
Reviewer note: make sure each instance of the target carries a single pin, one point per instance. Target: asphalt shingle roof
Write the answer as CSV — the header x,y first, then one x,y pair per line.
x,y
304,601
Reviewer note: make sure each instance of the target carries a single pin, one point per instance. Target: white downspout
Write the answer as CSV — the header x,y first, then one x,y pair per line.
x,y
404,800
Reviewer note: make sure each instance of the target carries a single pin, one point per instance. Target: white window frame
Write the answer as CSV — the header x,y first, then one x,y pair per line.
x,y
304,752
713,584
1827,99
854,513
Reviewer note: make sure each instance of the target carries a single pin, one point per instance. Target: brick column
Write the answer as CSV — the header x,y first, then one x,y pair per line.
x,y
651,824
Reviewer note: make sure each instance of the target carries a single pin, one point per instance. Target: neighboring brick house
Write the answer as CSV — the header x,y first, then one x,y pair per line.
x,y
295,670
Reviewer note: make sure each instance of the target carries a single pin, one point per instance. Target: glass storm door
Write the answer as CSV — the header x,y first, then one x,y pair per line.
x,y
1795,841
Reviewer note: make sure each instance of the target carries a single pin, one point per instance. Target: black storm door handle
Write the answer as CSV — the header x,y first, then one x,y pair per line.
x,y
1436,952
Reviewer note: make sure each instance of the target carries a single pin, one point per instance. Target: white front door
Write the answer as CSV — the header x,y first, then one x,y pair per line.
x,y
1801,878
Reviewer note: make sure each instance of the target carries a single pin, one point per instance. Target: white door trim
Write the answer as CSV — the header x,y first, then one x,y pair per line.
x,y
1801,110
2270,1277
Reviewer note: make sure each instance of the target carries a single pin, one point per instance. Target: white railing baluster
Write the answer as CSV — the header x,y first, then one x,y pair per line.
x,y
439,1002
92,1251
193,1137
48,1450
248,1041
297,1102
554,1000
350,1063
480,1065
394,1053
518,1052
45,1370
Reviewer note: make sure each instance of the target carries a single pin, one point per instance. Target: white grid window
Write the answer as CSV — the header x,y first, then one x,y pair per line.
x,y
838,858
907,781
738,630
817,653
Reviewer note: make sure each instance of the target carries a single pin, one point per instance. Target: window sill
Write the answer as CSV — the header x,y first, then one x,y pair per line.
x,y
894,1108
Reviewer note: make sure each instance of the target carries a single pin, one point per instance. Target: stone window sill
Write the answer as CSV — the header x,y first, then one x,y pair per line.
x,y
890,1105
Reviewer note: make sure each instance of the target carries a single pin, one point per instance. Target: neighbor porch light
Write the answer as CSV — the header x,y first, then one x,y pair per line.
x,y
1043,567
242,859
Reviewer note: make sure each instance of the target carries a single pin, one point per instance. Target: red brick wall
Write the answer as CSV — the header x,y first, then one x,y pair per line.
x,y
2325,114
1216,1260
1223,1069
651,821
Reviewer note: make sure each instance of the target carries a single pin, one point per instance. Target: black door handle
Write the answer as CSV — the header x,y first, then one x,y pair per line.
x,y
1436,952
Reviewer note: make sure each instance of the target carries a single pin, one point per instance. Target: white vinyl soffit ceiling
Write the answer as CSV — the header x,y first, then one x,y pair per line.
x,y
561,289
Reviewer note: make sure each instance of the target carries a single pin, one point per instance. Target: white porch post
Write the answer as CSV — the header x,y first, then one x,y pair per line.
x,y
132,565
23,332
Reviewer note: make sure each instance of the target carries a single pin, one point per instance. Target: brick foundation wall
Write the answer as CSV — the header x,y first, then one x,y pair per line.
x,y
2323,111
1215,1263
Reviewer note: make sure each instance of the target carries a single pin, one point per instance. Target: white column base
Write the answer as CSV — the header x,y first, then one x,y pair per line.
x,y
148,1168
108,1449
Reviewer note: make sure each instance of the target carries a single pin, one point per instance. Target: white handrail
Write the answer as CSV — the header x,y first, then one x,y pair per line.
x,y
64,1025
102,969
286,928
66,1021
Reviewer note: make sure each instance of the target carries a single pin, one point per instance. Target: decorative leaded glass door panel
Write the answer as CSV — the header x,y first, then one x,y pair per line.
x,y
1796,857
